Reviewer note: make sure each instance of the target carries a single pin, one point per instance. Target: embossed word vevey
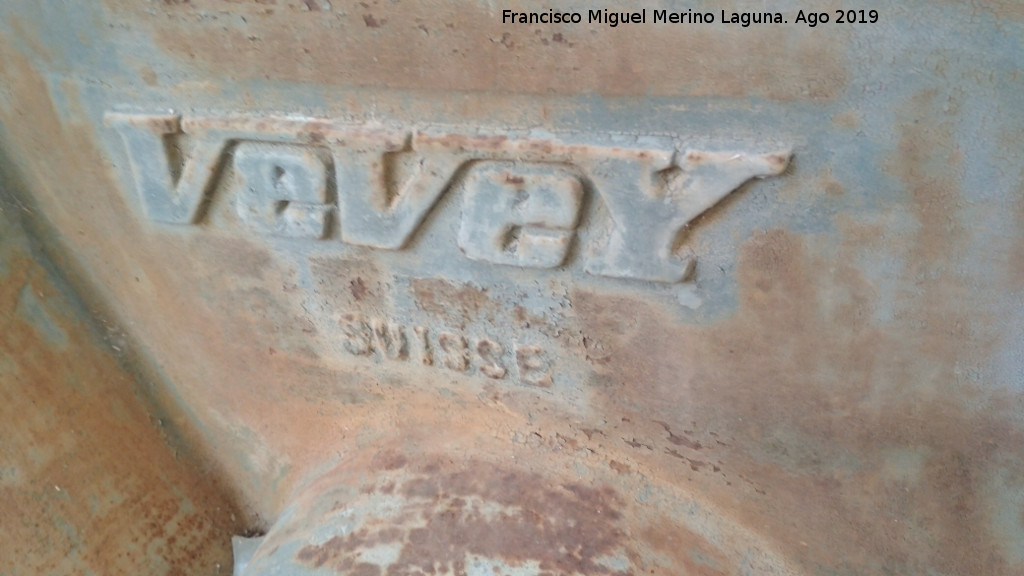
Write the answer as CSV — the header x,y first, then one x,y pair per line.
x,y
522,194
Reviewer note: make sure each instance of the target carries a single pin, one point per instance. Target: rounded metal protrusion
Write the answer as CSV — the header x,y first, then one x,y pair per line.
x,y
478,518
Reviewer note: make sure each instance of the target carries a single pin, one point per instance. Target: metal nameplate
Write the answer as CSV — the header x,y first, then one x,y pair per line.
x,y
372,186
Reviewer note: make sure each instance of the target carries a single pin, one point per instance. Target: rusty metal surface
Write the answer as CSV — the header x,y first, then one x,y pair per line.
x,y
820,374
480,516
88,483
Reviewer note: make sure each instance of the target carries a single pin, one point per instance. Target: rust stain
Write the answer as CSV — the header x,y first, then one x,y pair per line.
x,y
929,163
445,299
689,551
851,442
348,285
463,142
619,467
527,318
457,52
161,286
815,414
235,257
80,497
679,440
564,528
446,512
695,465
358,288
831,412
389,460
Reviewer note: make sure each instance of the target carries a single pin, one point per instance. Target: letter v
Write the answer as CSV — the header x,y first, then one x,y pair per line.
x,y
171,184
386,189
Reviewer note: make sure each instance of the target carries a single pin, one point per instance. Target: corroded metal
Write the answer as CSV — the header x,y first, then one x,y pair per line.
x,y
430,292
90,481
445,515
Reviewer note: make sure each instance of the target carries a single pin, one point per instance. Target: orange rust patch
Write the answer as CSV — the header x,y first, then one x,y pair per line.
x,y
466,48
680,440
689,551
815,414
447,300
619,467
563,528
816,402
389,461
37,165
233,256
929,164
87,482
348,284
358,288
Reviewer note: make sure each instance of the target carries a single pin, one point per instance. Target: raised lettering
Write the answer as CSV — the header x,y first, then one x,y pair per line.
x,y
394,341
456,351
650,207
490,353
519,214
522,195
171,175
423,339
283,189
358,335
386,190
533,366
390,339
